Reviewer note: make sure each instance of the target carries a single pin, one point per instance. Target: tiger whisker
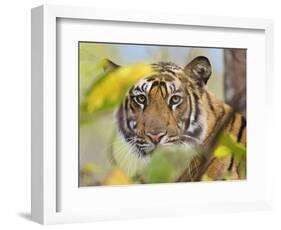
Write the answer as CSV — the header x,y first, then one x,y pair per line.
x,y
192,138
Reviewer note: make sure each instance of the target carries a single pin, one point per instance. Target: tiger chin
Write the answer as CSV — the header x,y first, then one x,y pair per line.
x,y
173,107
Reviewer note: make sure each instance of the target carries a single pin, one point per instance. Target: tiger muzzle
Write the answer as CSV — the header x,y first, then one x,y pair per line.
x,y
156,137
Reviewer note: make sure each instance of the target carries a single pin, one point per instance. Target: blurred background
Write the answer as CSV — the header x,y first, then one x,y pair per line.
x,y
228,80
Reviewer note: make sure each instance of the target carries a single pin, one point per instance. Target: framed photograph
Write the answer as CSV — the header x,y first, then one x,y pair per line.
x,y
139,115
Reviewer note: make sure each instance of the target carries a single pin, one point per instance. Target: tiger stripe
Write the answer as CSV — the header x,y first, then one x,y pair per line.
x,y
242,127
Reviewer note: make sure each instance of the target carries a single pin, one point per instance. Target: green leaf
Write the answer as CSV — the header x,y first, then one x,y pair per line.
x,y
235,147
159,169
227,143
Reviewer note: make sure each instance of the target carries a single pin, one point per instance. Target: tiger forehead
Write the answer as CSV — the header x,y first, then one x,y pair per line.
x,y
165,74
166,66
164,82
168,70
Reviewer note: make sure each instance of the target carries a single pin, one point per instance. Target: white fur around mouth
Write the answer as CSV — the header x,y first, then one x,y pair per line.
x,y
129,159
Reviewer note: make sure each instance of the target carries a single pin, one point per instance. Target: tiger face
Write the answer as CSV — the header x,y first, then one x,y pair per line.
x,y
165,108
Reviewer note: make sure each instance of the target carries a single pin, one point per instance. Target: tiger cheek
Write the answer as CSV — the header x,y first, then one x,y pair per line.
x,y
172,128
140,128
180,110
178,118
179,115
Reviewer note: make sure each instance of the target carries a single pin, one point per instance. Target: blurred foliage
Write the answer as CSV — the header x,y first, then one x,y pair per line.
x,y
89,174
108,91
228,141
238,150
109,88
159,170
167,164
90,55
227,148
116,177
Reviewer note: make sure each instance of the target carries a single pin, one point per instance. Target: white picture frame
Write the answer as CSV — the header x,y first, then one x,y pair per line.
x,y
51,186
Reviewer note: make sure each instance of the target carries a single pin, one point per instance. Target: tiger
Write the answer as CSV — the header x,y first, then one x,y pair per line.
x,y
173,106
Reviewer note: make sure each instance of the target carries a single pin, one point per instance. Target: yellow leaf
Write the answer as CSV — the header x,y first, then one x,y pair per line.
x,y
109,91
90,168
222,151
205,177
116,177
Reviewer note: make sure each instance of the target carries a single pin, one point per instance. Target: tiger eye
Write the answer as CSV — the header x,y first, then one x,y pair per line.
x,y
141,99
175,99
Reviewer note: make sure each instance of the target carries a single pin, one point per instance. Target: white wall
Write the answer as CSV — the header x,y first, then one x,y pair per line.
x,y
15,112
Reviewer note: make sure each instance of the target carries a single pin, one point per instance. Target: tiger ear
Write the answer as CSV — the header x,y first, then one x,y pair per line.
x,y
199,69
109,65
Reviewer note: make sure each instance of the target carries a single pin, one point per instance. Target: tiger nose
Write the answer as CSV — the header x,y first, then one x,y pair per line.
x,y
156,137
